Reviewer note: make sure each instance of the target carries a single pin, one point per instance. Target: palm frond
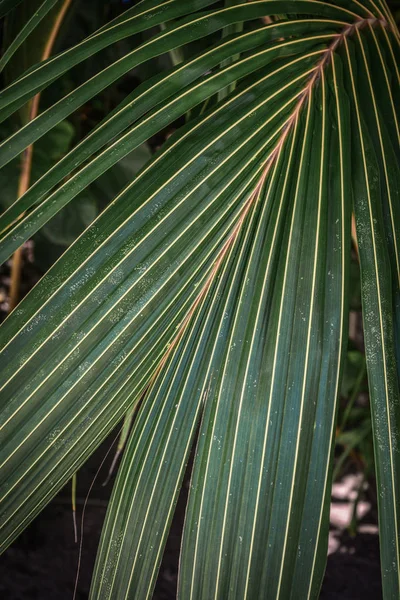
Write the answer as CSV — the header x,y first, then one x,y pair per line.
x,y
212,293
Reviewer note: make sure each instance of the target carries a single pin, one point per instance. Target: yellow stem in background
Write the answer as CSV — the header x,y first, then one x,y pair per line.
x,y
26,162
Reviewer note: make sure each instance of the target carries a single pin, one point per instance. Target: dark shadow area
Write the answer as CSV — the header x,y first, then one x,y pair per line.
x,y
353,569
353,572
41,564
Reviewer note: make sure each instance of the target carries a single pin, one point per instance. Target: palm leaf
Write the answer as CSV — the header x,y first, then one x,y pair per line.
x,y
30,25
216,283
375,192
153,121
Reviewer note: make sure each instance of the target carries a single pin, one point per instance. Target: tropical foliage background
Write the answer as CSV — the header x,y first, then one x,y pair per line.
x,y
200,163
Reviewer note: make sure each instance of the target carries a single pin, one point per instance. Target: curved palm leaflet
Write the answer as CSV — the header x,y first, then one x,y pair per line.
x,y
214,289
